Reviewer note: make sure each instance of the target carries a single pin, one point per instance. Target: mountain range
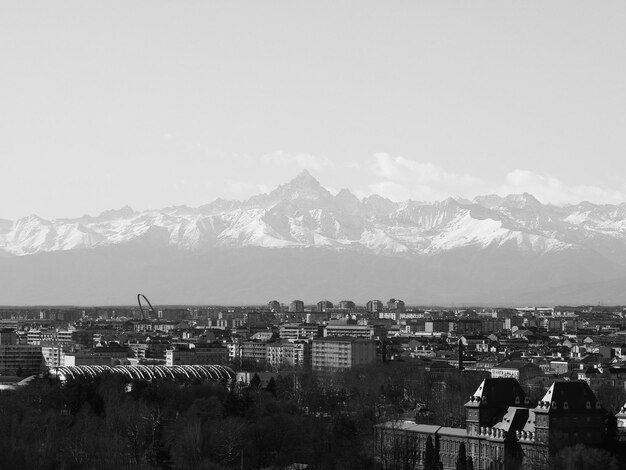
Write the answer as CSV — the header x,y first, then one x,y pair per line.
x,y
302,241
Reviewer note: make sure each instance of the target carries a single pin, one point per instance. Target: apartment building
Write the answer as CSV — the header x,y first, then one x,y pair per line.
x,y
334,354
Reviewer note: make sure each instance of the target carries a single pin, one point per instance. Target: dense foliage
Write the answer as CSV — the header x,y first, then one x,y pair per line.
x,y
325,422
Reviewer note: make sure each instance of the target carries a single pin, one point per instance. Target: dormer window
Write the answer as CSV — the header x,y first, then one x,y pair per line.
x,y
588,405
553,404
517,400
565,405
598,406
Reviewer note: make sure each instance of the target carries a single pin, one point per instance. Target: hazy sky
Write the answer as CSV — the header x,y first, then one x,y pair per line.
x,y
159,103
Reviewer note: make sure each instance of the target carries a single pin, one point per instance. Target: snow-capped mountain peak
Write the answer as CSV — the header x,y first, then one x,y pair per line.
x,y
302,213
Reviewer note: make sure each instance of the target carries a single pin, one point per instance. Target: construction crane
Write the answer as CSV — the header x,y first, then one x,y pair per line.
x,y
142,307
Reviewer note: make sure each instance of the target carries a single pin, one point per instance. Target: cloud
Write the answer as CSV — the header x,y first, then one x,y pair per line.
x,y
404,178
244,189
549,189
301,160
400,178
403,169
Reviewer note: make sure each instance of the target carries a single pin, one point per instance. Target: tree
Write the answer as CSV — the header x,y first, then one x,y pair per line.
x,y
271,386
461,460
437,459
429,458
255,382
581,457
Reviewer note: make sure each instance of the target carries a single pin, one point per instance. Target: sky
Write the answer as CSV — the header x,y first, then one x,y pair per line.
x,y
160,103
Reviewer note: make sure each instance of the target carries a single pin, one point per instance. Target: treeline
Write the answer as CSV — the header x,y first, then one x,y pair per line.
x,y
326,423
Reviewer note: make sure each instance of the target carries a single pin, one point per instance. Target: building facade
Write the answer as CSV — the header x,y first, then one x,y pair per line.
x,y
502,429
335,354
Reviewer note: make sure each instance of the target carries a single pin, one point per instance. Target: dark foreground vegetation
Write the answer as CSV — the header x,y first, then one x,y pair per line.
x,y
326,423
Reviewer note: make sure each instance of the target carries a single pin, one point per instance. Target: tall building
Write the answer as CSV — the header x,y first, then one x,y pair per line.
x,y
273,306
374,306
297,306
396,305
334,354
347,304
322,305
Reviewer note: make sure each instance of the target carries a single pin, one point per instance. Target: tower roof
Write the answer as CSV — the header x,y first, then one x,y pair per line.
x,y
569,396
497,392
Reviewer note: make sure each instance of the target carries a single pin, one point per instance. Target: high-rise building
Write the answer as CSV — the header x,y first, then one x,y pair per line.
x,y
273,306
297,306
323,305
395,305
347,304
374,306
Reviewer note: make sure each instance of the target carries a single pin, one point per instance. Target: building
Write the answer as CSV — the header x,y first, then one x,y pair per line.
x,y
288,354
317,317
254,351
322,305
53,355
274,306
347,305
7,336
358,331
196,354
299,331
174,314
297,306
438,326
334,354
389,315
502,429
20,359
144,326
395,305
374,306
518,370
102,355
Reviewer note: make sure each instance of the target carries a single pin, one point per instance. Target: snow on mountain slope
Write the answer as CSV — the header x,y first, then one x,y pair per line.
x,y
302,213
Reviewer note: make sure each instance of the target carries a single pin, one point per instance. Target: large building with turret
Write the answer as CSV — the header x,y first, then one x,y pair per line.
x,y
503,428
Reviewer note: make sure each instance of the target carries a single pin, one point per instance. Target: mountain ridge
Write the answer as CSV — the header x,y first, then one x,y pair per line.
x,y
302,241
304,213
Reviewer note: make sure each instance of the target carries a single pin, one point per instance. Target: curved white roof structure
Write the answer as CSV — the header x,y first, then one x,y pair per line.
x,y
148,373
